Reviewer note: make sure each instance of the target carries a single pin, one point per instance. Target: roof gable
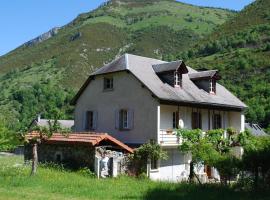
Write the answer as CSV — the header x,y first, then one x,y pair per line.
x,y
171,66
204,75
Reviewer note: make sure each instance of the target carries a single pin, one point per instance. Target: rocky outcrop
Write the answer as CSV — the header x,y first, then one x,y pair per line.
x,y
43,37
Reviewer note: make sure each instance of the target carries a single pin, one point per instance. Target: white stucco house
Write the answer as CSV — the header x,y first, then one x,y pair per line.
x,y
136,99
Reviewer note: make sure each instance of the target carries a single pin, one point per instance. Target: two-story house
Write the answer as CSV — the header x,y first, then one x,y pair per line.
x,y
136,99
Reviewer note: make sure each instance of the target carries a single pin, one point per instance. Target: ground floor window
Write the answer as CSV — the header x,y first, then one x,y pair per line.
x,y
217,121
154,164
175,119
196,120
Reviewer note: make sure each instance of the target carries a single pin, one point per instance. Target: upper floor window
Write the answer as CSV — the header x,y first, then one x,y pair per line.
x,y
196,120
217,121
212,86
177,79
175,119
108,84
91,120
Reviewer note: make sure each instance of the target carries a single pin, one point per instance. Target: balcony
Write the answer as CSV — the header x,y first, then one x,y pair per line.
x,y
168,138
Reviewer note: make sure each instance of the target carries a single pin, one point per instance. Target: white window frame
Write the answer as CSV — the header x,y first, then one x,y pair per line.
x,y
177,79
212,87
123,119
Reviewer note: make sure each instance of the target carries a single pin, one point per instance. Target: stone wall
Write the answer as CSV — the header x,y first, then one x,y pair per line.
x,y
71,155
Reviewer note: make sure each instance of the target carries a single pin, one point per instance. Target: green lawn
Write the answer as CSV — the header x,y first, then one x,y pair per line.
x,y
15,183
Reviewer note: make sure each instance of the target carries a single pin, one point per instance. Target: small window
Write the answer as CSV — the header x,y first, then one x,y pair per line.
x,y
212,86
108,84
154,164
196,120
124,119
177,79
217,121
58,157
175,119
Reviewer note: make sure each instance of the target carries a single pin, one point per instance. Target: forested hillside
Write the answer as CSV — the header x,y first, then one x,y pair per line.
x,y
42,76
240,49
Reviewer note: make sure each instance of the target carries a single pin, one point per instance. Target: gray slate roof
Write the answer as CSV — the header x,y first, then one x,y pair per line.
x,y
62,123
164,67
203,74
255,129
142,68
69,124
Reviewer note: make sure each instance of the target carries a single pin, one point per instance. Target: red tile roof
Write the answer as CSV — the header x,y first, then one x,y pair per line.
x,y
91,138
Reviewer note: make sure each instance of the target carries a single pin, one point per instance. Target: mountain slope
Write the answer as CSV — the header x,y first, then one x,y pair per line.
x,y
240,49
60,63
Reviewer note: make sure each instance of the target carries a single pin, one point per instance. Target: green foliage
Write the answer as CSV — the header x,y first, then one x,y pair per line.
x,y
8,138
86,172
138,161
214,149
256,160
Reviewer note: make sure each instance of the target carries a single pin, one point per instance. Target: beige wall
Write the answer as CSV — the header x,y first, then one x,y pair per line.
x,y
237,120
127,94
229,118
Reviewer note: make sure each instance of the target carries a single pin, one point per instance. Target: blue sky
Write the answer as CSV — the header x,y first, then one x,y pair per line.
x,y
22,20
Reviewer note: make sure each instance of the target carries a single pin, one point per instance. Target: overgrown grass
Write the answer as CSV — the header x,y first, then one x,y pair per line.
x,y
51,183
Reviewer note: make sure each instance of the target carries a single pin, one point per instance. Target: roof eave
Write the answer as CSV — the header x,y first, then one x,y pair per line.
x,y
203,105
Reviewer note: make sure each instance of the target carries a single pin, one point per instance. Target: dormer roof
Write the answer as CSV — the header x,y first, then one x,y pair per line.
x,y
178,65
205,75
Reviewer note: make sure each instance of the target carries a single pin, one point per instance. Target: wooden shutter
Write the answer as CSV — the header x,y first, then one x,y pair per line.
x,y
177,119
117,112
95,119
85,120
130,119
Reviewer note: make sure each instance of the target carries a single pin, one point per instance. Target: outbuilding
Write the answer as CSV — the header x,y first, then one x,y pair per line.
x,y
78,150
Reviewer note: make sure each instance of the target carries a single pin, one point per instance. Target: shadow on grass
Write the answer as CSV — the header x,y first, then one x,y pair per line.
x,y
204,192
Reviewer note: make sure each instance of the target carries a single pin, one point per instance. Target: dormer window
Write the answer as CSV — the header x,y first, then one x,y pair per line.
x,y
171,73
206,80
177,79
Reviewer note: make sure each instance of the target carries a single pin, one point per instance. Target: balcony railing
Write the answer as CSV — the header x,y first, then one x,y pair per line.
x,y
168,138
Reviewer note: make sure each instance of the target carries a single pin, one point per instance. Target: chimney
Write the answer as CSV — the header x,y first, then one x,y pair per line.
x,y
38,117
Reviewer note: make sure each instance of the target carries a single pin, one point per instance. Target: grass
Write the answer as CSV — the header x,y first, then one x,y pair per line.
x,y
49,183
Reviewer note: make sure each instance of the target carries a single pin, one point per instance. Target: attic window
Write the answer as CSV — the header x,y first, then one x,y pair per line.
x,y
177,79
108,84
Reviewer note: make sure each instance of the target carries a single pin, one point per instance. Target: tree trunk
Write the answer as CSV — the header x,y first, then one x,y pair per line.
x,y
34,159
256,178
191,171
